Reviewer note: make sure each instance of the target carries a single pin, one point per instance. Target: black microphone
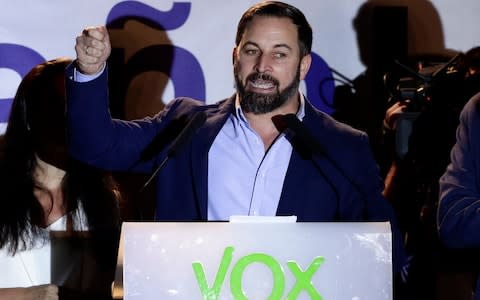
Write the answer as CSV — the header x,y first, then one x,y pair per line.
x,y
304,136
182,138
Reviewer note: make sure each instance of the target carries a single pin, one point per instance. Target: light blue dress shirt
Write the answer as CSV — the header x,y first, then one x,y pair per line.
x,y
243,178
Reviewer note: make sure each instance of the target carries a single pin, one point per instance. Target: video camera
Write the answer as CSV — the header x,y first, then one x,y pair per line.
x,y
434,87
419,89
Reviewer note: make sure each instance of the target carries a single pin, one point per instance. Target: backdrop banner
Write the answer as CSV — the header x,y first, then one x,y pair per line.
x,y
164,49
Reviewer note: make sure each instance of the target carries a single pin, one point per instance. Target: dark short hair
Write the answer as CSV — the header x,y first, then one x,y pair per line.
x,y
281,10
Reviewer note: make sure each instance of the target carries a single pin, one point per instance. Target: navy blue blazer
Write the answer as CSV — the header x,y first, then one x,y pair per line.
x,y
340,184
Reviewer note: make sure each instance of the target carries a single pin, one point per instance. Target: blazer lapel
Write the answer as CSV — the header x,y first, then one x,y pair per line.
x,y
290,203
289,200
203,140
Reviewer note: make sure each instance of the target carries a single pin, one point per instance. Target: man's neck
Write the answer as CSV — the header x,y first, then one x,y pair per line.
x,y
263,123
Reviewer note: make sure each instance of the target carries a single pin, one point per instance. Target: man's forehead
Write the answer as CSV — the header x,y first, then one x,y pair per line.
x,y
270,27
268,19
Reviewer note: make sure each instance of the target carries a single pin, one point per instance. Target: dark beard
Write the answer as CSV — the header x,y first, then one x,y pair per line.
x,y
257,103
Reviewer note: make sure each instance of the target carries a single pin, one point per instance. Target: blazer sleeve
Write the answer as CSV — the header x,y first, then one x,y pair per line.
x,y
458,216
97,139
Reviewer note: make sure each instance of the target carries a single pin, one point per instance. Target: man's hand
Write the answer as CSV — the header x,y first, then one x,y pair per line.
x,y
93,48
39,292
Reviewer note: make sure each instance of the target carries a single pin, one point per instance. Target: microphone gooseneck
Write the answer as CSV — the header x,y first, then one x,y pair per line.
x,y
178,143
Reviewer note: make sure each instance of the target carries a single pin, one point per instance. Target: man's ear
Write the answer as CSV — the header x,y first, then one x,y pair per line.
x,y
305,63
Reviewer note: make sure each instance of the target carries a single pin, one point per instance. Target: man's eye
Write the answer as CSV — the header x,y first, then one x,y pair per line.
x,y
279,55
251,51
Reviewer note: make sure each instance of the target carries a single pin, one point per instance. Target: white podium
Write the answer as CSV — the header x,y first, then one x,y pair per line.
x,y
222,260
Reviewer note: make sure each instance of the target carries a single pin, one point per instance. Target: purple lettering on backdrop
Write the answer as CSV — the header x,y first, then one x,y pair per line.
x,y
168,20
184,72
177,63
21,60
320,85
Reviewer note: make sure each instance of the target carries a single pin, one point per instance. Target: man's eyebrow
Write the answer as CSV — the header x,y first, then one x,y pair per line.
x,y
282,45
250,43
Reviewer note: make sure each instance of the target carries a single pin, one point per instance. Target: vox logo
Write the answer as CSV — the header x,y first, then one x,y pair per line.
x,y
303,277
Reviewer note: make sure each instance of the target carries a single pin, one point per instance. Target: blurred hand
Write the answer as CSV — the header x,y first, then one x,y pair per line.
x,y
93,48
392,114
43,292
38,292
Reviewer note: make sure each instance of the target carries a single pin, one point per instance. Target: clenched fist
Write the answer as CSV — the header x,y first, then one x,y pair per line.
x,y
93,48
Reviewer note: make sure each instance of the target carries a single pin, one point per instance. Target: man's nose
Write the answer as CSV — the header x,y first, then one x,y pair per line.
x,y
263,64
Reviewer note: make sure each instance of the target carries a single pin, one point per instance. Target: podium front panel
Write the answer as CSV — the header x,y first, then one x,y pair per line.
x,y
221,260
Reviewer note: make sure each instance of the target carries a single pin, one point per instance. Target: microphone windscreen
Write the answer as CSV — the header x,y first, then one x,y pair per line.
x,y
304,136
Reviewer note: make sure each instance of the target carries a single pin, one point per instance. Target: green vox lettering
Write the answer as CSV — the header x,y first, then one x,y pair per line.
x,y
303,278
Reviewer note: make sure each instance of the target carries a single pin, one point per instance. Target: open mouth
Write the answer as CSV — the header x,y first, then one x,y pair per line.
x,y
262,82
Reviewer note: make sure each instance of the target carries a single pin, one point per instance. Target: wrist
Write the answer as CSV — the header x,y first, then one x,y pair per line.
x,y
89,70
80,76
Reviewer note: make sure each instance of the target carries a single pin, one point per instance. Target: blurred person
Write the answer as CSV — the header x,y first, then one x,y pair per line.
x,y
422,127
458,218
387,32
59,221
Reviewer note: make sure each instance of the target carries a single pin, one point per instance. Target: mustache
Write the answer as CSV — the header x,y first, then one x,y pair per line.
x,y
262,76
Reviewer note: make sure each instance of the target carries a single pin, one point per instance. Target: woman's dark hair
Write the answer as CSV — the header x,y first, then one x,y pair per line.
x,y
281,10
37,127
